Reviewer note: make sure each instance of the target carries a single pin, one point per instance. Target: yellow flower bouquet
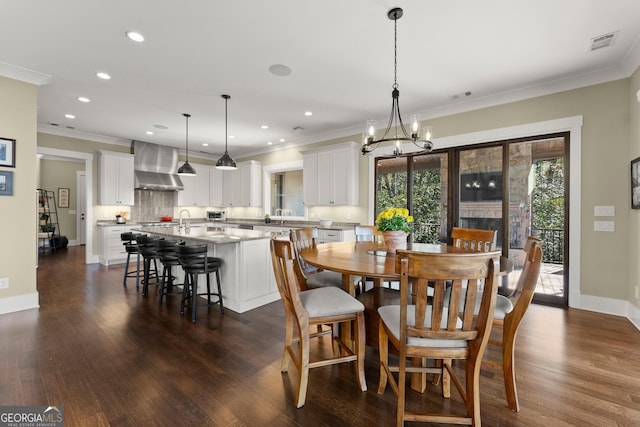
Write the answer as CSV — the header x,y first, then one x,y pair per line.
x,y
394,219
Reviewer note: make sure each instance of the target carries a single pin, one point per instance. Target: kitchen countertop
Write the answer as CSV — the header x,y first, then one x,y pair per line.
x,y
205,234
233,221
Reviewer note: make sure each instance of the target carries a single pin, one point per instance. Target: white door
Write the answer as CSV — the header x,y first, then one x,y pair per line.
x,y
81,206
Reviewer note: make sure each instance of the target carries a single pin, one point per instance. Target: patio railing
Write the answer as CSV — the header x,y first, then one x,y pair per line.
x,y
552,244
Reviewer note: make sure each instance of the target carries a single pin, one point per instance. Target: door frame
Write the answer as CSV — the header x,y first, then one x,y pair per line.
x,y
573,125
88,168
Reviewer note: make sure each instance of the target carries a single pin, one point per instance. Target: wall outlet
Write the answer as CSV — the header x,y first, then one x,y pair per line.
x,y
4,284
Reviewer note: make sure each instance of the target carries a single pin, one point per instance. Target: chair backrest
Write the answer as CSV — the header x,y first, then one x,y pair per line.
x,y
476,239
193,258
366,233
303,238
147,245
282,258
463,274
527,281
167,251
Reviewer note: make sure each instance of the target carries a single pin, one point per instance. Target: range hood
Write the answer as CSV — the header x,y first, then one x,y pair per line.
x,y
156,167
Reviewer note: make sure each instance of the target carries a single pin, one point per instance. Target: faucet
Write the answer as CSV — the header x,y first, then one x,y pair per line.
x,y
281,216
188,214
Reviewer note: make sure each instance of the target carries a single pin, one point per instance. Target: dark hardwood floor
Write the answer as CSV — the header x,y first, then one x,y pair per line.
x,y
113,357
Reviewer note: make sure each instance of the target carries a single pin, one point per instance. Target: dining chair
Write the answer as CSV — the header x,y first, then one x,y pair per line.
x,y
473,238
420,329
304,309
303,238
508,315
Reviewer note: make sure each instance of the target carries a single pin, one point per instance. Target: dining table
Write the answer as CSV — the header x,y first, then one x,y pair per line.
x,y
371,261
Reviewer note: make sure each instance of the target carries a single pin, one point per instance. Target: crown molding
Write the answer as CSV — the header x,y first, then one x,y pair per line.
x,y
24,74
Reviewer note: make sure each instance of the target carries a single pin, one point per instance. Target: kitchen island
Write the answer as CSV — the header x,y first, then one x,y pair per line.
x,y
246,273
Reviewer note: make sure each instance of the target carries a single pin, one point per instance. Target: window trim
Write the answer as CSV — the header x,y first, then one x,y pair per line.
x,y
267,170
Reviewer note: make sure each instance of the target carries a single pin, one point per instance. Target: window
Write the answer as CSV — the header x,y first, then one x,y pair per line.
x,y
283,189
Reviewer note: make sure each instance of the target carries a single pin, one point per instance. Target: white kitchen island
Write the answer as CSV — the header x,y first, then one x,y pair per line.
x,y
246,274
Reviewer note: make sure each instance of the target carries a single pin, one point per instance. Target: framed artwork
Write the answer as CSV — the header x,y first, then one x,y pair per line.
x,y
6,183
8,152
63,197
635,183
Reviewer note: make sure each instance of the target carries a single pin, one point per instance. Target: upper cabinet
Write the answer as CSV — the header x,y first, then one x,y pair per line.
x,y
196,188
115,178
216,187
330,175
243,187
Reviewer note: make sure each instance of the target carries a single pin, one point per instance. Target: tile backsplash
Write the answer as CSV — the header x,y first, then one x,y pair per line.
x,y
150,205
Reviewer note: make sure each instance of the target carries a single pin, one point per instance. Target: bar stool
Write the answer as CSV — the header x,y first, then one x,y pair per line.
x,y
131,246
194,261
147,248
168,256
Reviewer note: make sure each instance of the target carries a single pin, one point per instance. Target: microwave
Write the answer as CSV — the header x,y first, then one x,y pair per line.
x,y
216,216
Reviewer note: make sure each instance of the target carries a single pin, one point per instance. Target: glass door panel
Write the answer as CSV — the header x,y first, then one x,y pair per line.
x,y
480,200
391,183
429,187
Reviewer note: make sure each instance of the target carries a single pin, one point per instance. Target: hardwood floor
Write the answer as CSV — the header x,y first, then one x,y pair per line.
x,y
113,357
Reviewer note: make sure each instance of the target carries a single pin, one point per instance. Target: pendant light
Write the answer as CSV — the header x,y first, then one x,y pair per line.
x,y
420,137
226,162
187,169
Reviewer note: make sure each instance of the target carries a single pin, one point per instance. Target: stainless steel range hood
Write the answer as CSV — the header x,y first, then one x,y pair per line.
x,y
156,167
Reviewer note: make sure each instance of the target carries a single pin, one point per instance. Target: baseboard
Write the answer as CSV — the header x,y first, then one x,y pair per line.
x,y
19,303
612,306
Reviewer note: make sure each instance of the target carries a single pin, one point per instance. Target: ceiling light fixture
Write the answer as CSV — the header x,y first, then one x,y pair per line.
x,y
135,36
226,162
83,99
187,169
418,136
103,76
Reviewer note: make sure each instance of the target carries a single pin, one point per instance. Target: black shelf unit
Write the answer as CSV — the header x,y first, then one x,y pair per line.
x,y
48,226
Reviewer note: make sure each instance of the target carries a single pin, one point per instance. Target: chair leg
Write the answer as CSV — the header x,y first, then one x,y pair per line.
x,y
402,378
303,369
145,280
288,342
383,351
137,271
194,297
126,270
473,390
360,347
509,373
219,291
185,292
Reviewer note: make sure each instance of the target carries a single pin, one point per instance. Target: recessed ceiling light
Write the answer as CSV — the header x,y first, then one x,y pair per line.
x,y
70,116
281,139
279,70
103,76
83,99
308,113
231,136
135,36
204,144
149,132
264,127
269,143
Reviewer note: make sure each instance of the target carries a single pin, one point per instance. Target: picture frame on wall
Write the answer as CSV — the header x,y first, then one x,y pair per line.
x,y
6,183
63,197
635,183
8,152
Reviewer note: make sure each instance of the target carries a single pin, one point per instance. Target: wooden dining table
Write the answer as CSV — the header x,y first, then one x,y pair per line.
x,y
371,260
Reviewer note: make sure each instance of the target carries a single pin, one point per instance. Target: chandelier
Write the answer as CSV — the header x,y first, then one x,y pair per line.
x,y
419,136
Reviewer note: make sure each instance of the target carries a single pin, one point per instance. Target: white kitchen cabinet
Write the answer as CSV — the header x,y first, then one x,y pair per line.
x,y
216,187
196,188
110,246
326,235
115,178
330,175
243,186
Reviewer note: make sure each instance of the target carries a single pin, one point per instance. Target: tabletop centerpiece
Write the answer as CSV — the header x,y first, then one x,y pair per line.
x,y
394,224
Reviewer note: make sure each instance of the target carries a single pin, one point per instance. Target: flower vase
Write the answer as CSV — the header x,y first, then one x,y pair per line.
x,y
394,240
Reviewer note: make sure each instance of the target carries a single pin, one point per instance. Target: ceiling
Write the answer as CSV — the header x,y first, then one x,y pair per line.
x,y
340,54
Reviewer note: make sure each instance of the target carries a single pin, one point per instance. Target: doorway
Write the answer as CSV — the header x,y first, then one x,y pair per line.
x,y
88,193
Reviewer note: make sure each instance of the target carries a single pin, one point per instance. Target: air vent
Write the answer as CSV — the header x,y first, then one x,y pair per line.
x,y
460,95
604,40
